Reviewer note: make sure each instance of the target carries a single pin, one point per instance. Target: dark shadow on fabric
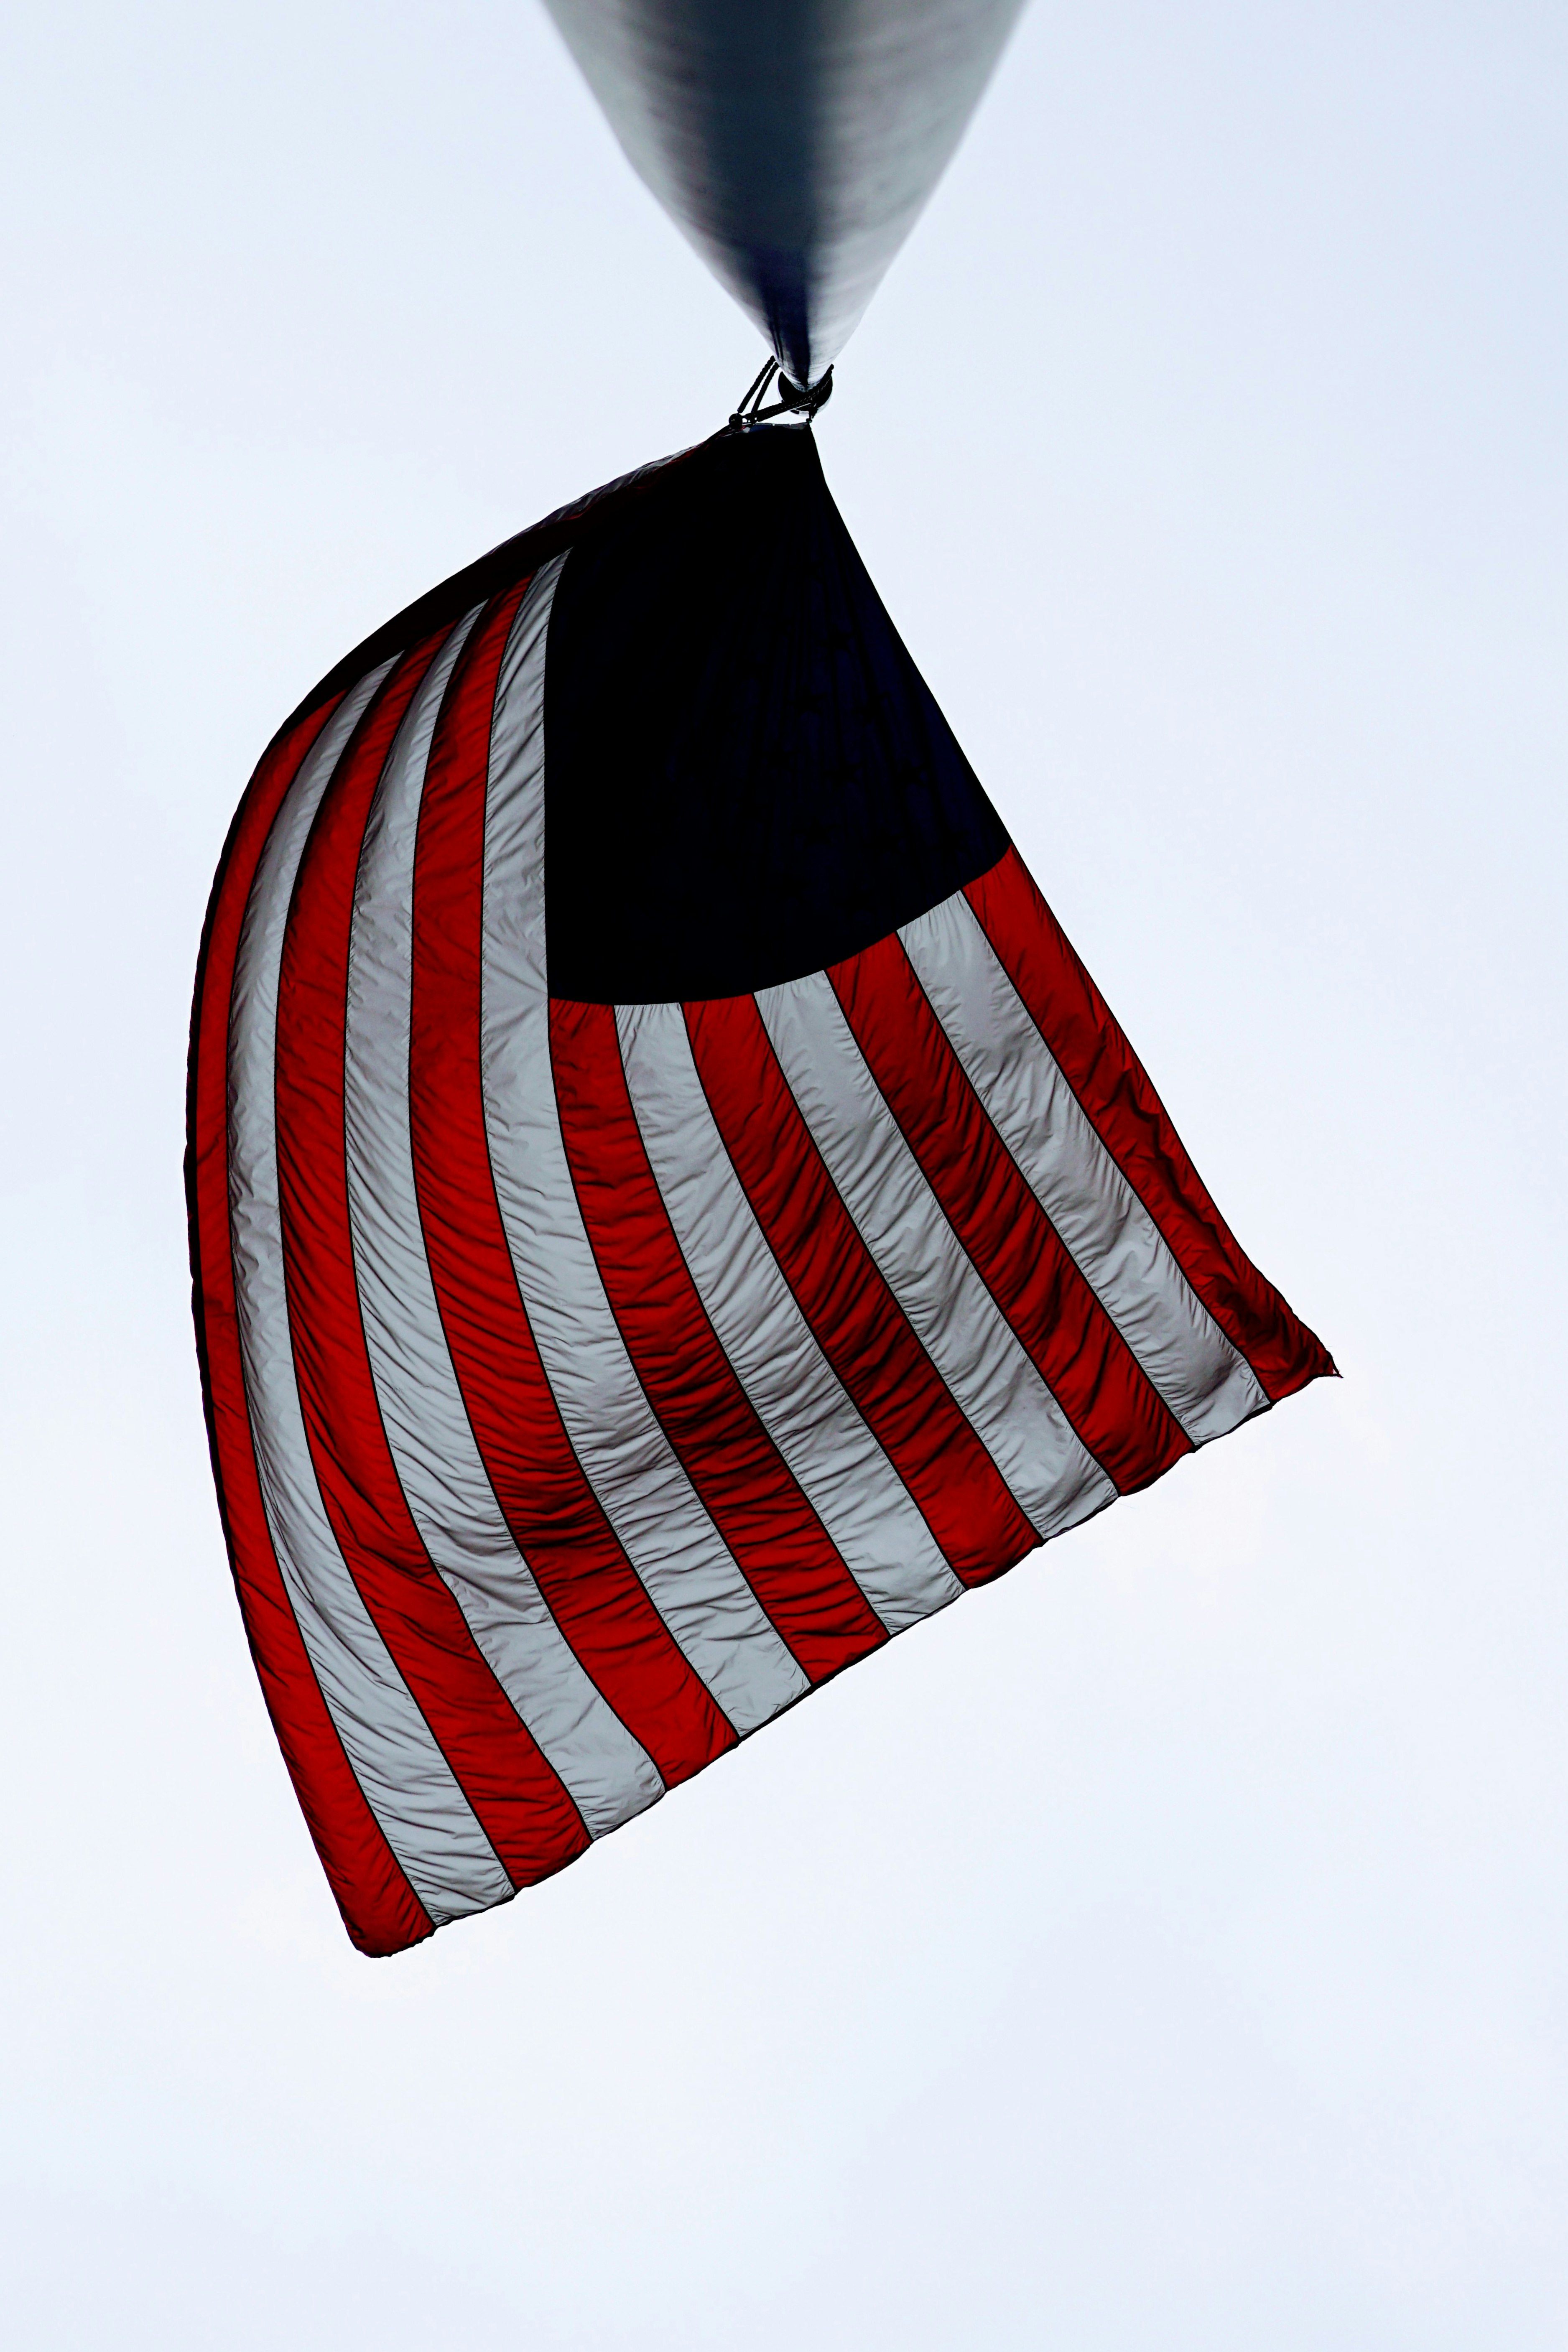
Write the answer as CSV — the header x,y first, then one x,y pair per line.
x,y
746,777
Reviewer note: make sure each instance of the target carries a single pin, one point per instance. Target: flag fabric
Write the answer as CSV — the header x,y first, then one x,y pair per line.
x,y
669,1210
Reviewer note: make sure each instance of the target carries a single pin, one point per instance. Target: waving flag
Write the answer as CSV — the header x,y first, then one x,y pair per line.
x,y
669,1210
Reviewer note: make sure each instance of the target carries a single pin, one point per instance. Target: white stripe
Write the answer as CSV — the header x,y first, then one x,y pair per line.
x,y
407,1782
848,1480
1055,1481
672,1543
1209,1385
439,1465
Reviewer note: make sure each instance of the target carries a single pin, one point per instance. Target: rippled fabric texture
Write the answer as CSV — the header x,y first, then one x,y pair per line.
x,y
669,1208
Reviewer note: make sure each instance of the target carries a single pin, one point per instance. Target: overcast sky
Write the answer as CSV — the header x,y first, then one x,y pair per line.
x,y
1169,1947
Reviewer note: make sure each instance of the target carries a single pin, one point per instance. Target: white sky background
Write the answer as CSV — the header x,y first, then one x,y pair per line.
x,y
1166,1948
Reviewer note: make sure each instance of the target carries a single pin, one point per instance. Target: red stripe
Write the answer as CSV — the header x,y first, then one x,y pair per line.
x,y
517,1797
555,1517
859,1324
785,1552
1130,1122
1077,1349
379,1907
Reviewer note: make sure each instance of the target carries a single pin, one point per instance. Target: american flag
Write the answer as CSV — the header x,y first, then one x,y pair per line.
x,y
669,1208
